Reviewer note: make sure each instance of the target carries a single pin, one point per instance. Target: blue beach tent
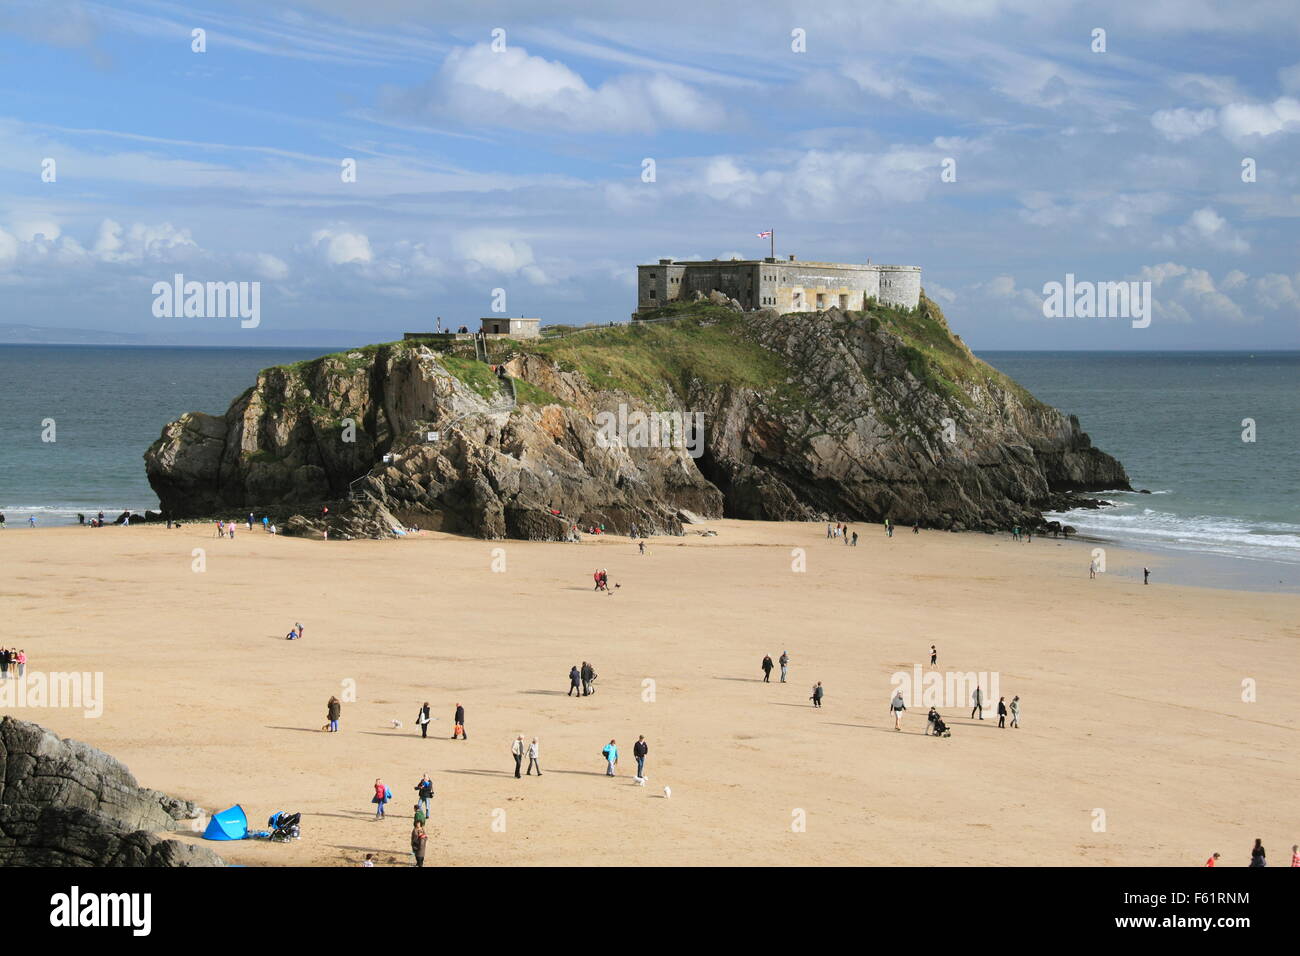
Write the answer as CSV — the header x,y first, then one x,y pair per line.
x,y
229,824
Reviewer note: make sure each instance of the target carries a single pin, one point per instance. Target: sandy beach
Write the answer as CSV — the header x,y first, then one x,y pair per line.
x,y
1132,695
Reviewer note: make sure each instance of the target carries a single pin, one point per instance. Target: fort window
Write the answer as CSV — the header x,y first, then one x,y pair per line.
x,y
844,302
652,293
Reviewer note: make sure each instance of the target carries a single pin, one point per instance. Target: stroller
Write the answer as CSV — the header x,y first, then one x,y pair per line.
x,y
284,826
937,727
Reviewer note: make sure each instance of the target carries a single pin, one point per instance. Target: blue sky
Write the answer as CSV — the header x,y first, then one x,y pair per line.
x,y
521,168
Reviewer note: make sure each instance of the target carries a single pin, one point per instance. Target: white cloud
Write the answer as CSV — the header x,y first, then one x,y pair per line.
x,y
1182,123
342,247
1240,120
515,89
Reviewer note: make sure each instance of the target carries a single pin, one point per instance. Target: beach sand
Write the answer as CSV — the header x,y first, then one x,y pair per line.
x,y
1132,695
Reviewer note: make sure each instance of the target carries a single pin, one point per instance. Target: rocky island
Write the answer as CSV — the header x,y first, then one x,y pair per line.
x,y
833,415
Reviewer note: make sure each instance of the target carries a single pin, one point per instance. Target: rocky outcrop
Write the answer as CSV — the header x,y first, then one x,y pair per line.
x,y
855,416
64,803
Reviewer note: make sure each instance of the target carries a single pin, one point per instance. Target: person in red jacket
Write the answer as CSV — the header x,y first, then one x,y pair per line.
x,y
1210,861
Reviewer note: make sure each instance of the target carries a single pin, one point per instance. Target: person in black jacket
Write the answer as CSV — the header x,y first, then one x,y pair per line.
x,y
575,681
639,751
767,668
423,719
459,726
588,674
1002,711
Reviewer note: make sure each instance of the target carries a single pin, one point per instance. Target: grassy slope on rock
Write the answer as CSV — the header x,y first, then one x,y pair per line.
x,y
700,341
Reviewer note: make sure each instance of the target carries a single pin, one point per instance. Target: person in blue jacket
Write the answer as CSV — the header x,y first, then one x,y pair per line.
x,y
610,753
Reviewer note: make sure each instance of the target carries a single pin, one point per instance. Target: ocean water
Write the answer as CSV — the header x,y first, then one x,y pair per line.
x,y
1174,419
108,404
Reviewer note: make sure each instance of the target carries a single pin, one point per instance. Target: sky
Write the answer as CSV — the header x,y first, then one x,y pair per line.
x,y
546,149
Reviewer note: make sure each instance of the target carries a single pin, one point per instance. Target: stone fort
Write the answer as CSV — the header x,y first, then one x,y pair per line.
x,y
783,285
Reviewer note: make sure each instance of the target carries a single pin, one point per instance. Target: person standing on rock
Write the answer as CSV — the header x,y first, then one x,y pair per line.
x,y
575,681
333,710
459,726
767,668
518,749
423,719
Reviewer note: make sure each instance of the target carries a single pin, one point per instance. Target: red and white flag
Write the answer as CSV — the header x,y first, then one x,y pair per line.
x,y
765,235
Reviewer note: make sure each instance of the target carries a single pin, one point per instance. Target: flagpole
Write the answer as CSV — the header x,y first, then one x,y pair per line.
x,y
773,238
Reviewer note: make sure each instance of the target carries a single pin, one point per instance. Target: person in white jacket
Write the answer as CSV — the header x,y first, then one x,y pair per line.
x,y
532,759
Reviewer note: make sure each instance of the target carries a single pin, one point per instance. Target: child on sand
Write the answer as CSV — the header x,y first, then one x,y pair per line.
x,y
381,797
419,840
610,753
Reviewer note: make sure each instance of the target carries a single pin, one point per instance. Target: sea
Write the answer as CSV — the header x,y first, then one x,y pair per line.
x,y
1213,436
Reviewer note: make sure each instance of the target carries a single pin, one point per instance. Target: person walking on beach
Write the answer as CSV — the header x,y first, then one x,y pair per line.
x,y
1146,575
5,658
333,710
817,694
266,522
1295,855
533,761
767,668
1002,712
1015,711
588,675
459,726
424,791
1092,569
381,797
1213,860
610,753
855,539
250,521
423,718
639,751
575,681
21,660
641,544
977,699
934,655
784,661
419,842
518,748
1257,854
896,707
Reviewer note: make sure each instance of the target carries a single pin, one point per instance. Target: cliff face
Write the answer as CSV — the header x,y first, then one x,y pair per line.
x,y
857,416
63,803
